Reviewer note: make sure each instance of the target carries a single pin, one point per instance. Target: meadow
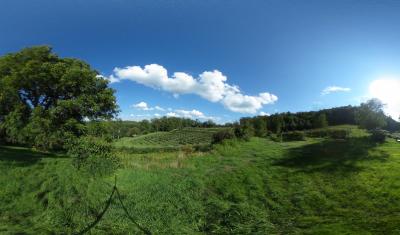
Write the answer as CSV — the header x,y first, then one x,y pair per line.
x,y
167,141
316,186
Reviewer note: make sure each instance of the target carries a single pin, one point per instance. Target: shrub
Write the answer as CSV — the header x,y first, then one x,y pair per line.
x,y
318,133
293,136
187,149
276,137
331,133
202,147
339,134
242,133
378,135
222,135
93,155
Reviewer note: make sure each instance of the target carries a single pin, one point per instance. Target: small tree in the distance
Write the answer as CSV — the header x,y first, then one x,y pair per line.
x,y
370,115
320,121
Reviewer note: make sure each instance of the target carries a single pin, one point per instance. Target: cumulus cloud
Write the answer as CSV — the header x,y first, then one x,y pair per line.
x,y
264,113
210,85
192,114
142,106
172,114
159,108
145,107
331,89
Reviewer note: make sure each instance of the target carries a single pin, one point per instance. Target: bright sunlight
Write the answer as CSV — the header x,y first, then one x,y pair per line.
x,y
387,90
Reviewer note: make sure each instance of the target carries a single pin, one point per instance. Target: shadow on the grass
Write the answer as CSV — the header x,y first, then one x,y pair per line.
x,y
331,156
23,157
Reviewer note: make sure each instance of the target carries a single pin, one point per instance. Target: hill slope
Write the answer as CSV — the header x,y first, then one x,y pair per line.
x,y
172,139
319,186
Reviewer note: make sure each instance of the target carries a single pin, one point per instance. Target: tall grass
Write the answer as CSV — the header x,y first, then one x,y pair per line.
x,y
317,186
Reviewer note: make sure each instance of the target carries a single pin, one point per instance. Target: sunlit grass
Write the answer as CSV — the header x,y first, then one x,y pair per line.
x,y
317,186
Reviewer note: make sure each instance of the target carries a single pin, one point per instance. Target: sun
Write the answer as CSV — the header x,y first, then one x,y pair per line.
x,y
388,91
384,89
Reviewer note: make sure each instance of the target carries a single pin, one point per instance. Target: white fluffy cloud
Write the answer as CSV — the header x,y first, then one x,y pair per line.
x,y
159,108
388,91
142,106
264,113
145,107
172,114
331,89
210,85
192,114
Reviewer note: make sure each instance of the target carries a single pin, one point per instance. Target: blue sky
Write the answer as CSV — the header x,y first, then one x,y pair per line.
x,y
263,56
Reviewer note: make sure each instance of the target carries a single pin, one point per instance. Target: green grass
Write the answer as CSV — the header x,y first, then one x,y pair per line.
x,y
318,186
171,141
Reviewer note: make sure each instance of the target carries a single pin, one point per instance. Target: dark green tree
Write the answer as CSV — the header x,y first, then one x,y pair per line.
x,y
320,121
370,115
44,99
260,126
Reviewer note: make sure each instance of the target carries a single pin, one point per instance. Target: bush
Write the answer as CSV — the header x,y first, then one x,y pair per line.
x,y
378,135
293,136
276,137
222,135
318,133
93,155
331,133
187,149
242,133
339,134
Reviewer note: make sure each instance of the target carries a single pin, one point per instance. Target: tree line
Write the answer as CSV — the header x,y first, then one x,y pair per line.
x,y
47,101
115,129
368,115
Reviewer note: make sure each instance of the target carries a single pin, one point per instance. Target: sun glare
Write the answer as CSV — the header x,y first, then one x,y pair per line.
x,y
388,91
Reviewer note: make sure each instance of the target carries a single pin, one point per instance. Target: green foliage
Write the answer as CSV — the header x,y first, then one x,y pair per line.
x,y
379,135
222,135
334,133
93,155
370,115
320,121
241,133
293,136
339,134
260,126
284,122
44,99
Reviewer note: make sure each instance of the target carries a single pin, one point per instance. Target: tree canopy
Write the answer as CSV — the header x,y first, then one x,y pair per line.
x,y
370,115
45,98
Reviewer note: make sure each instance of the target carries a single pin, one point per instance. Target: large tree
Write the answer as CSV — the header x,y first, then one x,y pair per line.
x,y
370,115
44,99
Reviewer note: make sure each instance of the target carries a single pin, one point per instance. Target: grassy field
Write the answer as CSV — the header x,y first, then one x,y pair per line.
x,y
318,186
172,140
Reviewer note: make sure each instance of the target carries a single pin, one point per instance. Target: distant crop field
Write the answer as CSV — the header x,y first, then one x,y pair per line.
x,y
169,140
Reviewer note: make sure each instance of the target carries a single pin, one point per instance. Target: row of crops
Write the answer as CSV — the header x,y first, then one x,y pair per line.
x,y
170,140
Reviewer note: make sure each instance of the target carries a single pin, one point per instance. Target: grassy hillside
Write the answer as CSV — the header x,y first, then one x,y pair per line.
x,y
172,140
318,186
